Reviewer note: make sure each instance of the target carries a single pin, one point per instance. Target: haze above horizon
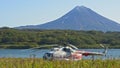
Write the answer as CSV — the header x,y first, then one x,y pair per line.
x,y
33,12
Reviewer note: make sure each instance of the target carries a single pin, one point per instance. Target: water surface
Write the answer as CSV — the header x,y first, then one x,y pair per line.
x,y
26,53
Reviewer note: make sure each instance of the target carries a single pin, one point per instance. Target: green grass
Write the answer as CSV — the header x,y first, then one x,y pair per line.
x,y
40,63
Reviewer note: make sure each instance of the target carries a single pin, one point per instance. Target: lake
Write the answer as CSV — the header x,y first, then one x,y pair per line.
x,y
26,53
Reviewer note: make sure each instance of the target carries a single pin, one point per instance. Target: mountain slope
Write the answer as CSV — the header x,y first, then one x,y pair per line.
x,y
79,18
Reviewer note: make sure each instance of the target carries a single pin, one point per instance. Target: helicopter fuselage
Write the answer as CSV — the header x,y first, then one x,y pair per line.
x,y
64,53
69,53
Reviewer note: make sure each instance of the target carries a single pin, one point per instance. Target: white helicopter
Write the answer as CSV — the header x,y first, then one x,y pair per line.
x,y
70,52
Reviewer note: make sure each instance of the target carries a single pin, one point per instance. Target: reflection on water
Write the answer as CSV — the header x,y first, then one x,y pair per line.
x,y
26,53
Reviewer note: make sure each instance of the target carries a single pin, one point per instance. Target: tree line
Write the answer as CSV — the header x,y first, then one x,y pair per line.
x,y
27,38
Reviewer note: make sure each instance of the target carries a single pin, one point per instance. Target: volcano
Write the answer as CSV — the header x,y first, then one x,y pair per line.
x,y
79,18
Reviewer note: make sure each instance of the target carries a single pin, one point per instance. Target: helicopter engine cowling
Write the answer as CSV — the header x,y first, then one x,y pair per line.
x,y
48,56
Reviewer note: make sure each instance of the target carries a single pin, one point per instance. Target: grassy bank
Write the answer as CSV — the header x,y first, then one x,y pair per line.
x,y
40,63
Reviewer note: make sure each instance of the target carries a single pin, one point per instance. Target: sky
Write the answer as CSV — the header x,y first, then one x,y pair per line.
x,y
14,13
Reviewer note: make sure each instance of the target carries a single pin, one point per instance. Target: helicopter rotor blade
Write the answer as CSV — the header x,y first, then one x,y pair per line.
x,y
73,46
40,47
102,46
44,46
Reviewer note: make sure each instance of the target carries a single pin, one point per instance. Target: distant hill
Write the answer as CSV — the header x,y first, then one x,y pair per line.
x,y
79,18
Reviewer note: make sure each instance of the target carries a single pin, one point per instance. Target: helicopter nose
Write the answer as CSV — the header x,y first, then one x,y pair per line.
x,y
48,56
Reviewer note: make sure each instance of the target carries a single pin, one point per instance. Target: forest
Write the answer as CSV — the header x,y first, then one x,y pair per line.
x,y
28,38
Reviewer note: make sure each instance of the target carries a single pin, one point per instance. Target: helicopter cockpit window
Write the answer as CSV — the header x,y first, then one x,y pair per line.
x,y
66,50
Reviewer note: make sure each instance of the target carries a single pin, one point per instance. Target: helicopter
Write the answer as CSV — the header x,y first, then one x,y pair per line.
x,y
70,52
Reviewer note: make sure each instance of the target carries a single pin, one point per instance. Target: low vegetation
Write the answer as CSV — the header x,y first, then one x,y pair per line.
x,y
13,38
40,63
